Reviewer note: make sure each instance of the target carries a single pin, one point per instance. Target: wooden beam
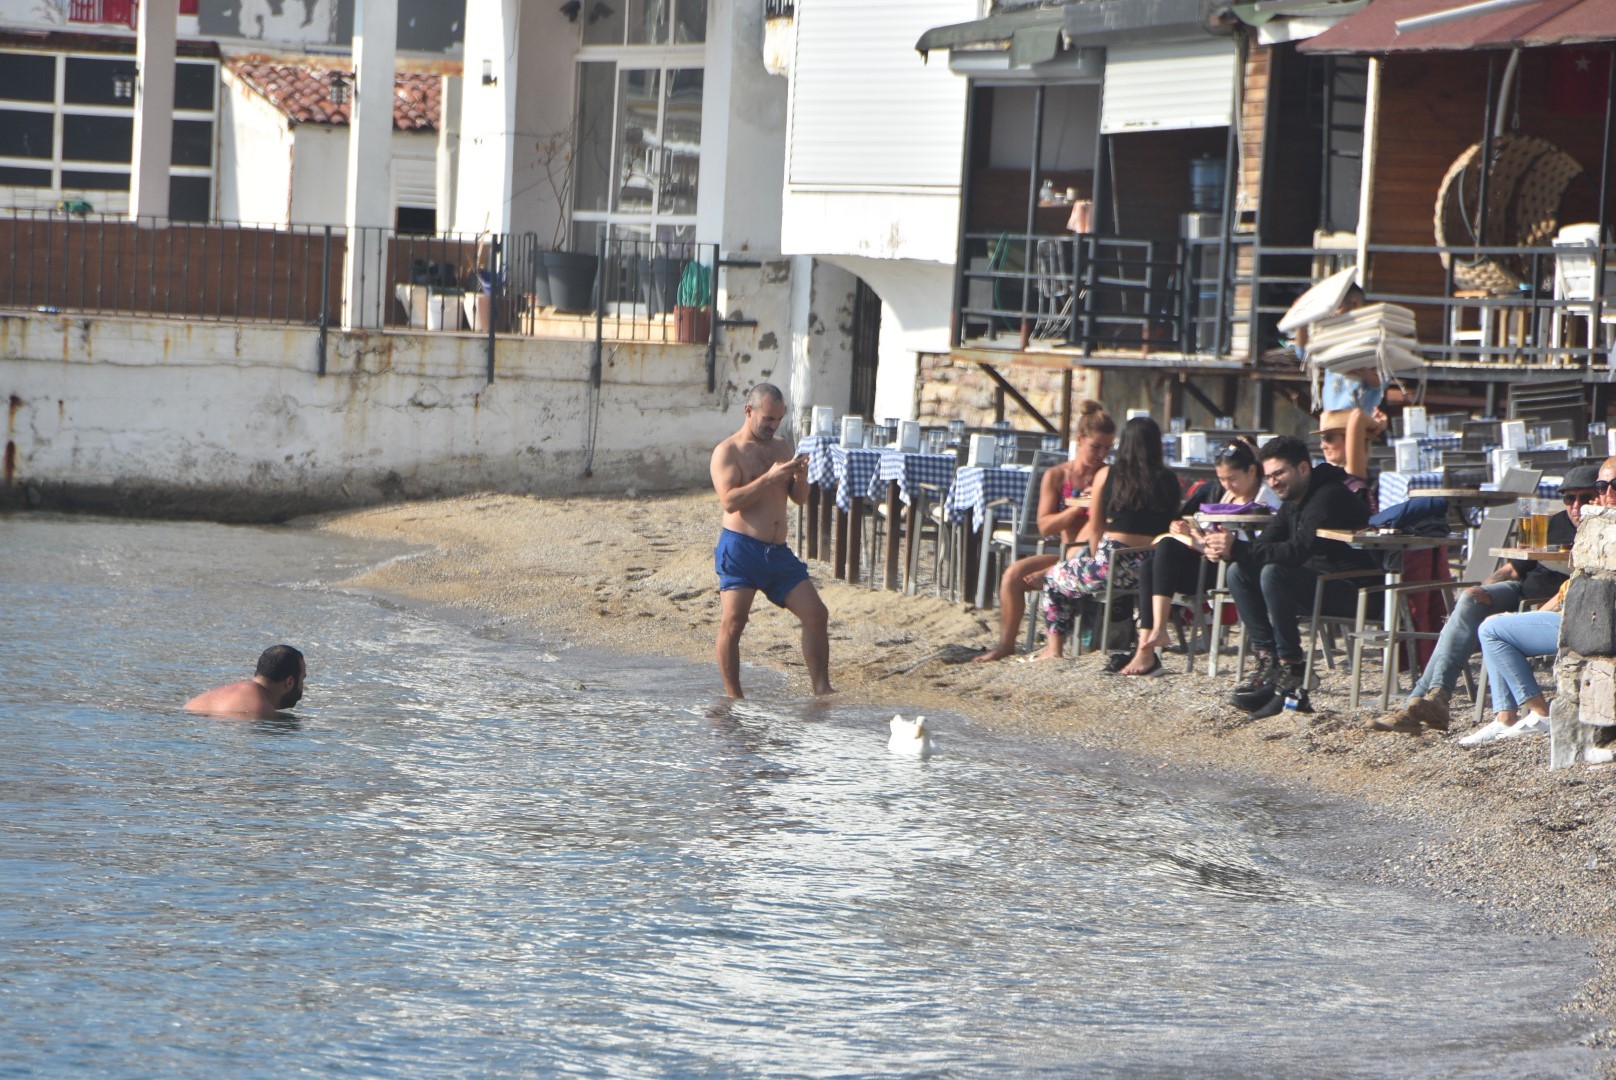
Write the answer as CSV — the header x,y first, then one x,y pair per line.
x,y
1199,395
1005,389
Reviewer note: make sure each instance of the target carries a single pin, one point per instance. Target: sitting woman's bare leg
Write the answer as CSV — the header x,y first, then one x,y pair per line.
x,y
1144,657
1013,588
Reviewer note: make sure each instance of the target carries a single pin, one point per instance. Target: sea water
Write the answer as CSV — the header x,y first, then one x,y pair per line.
x,y
470,854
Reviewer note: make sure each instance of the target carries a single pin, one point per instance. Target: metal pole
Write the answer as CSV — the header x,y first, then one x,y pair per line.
x,y
325,298
1035,163
712,322
962,287
493,292
1595,327
1486,155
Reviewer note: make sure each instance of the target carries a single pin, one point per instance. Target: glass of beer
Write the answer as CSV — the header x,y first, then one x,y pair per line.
x,y
1527,524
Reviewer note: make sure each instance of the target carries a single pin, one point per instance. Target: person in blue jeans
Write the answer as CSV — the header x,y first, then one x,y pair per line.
x,y
1514,583
1507,641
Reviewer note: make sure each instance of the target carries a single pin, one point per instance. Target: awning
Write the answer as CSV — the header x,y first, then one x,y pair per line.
x,y
1546,22
1132,22
1031,37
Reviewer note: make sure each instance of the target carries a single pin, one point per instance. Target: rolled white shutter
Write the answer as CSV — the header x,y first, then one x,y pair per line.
x,y
1170,86
866,111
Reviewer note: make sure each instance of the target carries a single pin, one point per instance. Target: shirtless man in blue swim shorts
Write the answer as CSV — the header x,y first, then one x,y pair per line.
x,y
755,474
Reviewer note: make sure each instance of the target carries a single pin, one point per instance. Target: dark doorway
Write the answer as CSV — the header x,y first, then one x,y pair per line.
x,y
866,350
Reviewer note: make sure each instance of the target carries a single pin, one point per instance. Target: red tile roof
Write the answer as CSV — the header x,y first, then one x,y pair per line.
x,y
304,93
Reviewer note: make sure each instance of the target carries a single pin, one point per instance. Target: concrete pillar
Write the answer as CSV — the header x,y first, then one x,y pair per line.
x,y
156,29
448,150
370,163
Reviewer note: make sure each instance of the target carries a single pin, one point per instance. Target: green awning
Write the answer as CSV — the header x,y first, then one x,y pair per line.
x,y
1031,37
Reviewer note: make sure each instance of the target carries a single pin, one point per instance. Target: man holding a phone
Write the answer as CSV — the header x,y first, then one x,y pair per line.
x,y
756,475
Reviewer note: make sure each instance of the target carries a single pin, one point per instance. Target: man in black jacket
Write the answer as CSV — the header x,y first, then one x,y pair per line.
x,y
1273,577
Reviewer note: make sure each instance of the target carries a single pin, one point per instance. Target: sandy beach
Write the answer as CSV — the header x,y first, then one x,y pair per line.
x,y
1494,827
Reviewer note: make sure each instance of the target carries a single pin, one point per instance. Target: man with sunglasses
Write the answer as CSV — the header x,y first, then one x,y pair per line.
x,y
1515,582
1273,576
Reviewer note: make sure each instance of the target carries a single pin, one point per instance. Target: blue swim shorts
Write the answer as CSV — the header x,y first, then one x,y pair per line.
x,y
745,562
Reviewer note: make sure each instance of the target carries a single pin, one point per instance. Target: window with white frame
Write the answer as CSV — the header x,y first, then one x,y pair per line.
x,y
67,131
638,138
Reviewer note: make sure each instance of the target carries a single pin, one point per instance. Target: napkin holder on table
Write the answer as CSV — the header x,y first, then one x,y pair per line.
x,y
852,432
1192,445
984,451
909,436
824,420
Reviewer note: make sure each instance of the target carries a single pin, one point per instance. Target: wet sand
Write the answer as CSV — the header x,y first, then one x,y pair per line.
x,y
1493,826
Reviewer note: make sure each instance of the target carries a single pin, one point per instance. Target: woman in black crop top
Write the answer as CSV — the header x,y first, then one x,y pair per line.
x,y
1134,501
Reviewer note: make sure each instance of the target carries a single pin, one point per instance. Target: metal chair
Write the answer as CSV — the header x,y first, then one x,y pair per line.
x,y
1022,536
1354,626
1055,291
1110,598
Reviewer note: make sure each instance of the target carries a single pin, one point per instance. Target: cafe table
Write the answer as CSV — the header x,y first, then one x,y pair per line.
x,y
1384,543
815,508
1544,555
908,478
981,495
854,471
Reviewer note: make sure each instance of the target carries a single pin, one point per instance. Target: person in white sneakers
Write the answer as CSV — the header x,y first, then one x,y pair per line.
x,y
1508,640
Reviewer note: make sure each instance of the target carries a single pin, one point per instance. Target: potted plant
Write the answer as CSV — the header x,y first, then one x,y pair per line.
x,y
693,305
569,276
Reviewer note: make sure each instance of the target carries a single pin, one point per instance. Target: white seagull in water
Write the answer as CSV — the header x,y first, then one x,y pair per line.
x,y
910,737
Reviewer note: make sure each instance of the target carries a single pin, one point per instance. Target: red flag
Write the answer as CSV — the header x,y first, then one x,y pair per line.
x,y
1578,81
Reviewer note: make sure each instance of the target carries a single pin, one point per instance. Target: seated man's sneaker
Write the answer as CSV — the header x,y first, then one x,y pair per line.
x,y
1531,723
1260,677
1288,689
1600,755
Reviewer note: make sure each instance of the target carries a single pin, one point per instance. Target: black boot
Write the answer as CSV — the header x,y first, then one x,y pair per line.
x,y
1257,690
1290,691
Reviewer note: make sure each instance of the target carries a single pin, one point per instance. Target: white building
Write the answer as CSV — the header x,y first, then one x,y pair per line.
x,y
283,146
872,168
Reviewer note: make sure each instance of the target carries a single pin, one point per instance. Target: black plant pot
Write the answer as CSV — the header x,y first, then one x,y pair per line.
x,y
572,280
541,280
659,282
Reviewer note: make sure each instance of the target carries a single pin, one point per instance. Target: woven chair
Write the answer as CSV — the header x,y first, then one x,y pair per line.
x,y
1526,182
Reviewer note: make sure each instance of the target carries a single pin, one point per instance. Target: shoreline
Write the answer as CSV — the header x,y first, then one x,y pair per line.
x,y
635,574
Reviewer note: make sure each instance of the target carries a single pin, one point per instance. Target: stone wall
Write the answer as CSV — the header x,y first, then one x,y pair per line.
x,y
1584,706
955,389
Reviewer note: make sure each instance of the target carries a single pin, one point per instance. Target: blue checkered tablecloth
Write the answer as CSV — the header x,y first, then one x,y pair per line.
x,y
1396,487
910,471
1450,441
975,487
852,470
821,464
1548,487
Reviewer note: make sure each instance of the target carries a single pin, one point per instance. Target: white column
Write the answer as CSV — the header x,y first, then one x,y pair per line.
x,y
448,150
156,29
370,163
488,115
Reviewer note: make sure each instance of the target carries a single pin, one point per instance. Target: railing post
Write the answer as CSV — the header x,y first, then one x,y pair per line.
x,y
600,310
325,298
493,299
712,323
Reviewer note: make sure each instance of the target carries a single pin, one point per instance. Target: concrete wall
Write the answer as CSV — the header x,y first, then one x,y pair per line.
x,y
231,422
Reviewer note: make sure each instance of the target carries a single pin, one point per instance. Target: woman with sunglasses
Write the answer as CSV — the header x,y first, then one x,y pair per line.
x,y
1134,501
1508,641
1175,563
1058,515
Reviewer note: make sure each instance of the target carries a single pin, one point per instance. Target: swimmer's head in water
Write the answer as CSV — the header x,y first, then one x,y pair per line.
x,y
277,664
